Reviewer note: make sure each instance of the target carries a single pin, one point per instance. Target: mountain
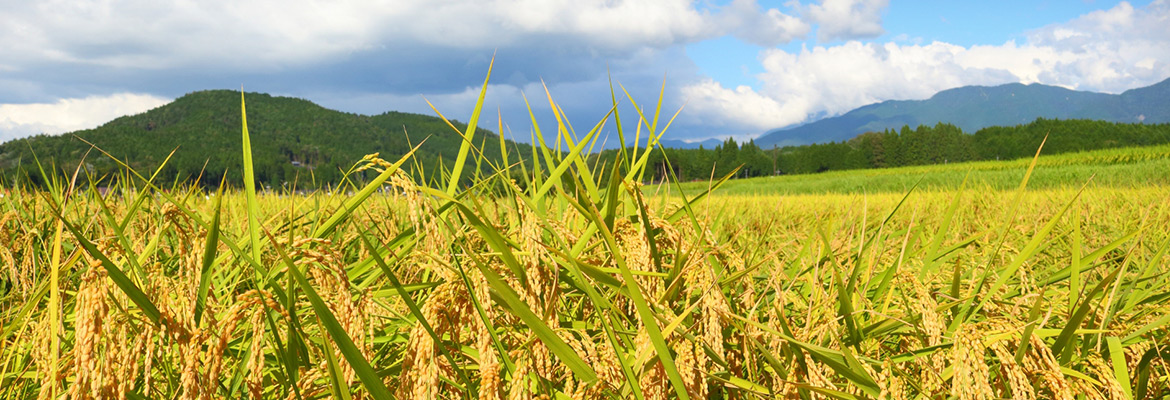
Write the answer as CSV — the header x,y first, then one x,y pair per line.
x,y
975,107
292,139
679,144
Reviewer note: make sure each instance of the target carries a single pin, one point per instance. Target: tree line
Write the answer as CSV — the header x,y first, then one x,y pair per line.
x,y
295,142
924,145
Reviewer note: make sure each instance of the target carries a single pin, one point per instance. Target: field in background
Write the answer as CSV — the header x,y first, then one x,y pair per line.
x,y
569,285
1132,167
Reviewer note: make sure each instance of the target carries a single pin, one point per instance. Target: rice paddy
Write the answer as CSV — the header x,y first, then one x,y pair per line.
x,y
579,284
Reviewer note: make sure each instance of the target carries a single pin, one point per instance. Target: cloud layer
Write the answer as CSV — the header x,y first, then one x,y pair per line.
x,y
1108,51
391,50
75,64
55,38
18,120
847,19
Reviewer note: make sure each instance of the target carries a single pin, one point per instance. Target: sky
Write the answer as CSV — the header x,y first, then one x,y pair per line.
x,y
735,68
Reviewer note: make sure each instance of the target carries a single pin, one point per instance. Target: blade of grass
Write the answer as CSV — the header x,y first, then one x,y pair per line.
x,y
465,146
635,294
1074,288
970,308
418,314
338,387
1120,369
1033,320
120,279
1143,372
357,199
1029,250
582,164
1074,322
209,251
610,323
836,360
369,378
573,156
948,216
513,303
250,184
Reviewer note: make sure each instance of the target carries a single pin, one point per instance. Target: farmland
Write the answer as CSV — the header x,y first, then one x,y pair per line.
x,y
1019,281
1132,167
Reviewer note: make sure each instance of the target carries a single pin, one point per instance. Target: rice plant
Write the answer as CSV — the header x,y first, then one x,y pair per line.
x,y
580,282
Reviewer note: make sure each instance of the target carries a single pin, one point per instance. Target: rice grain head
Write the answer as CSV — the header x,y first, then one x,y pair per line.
x,y
1017,379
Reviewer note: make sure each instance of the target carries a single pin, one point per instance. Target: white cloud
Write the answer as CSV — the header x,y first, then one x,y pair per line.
x,y
261,35
763,27
351,53
387,49
1108,51
736,108
847,19
65,115
832,80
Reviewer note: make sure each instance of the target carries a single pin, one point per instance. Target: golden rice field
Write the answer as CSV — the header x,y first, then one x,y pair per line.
x,y
582,287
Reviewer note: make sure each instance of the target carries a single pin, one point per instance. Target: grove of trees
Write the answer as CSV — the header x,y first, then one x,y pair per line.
x,y
938,144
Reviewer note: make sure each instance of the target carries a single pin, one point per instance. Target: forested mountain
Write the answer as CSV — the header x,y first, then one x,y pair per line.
x,y
292,139
972,108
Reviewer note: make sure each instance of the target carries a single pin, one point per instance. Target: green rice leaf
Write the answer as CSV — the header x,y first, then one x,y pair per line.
x,y
209,251
635,294
513,303
357,199
1074,322
250,184
465,147
120,279
369,378
414,309
1120,369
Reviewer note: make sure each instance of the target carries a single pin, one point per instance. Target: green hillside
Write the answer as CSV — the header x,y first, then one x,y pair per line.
x,y
292,140
1129,167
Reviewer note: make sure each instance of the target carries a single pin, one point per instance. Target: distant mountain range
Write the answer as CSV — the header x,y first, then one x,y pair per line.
x,y
292,139
975,107
296,140
679,144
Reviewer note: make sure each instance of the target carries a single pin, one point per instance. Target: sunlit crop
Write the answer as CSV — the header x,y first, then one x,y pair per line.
x,y
580,282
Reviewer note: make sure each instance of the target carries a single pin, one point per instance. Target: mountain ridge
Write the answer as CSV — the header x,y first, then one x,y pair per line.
x,y
292,140
975,107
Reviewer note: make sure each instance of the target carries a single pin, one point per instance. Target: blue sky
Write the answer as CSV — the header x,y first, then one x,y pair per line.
x,y
965,23
740,67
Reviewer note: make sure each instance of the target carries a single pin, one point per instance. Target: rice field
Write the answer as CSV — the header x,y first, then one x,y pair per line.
x,y
1133,167
575,286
